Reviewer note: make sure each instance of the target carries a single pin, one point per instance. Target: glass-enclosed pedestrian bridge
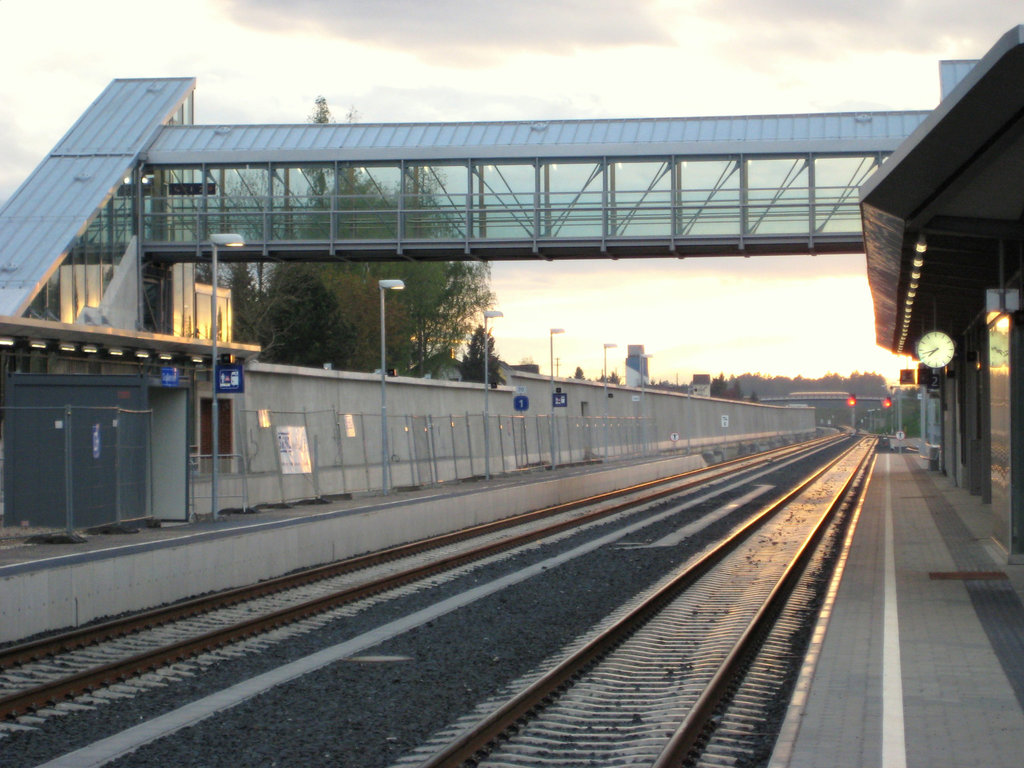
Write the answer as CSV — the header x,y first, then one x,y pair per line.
x,y
554,189
107,226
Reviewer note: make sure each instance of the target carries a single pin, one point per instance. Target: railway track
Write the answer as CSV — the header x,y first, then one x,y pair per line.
x,y
39,674
656,683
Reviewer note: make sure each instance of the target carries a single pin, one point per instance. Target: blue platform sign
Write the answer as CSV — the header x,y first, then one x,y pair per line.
x,y
229,379
521,403
169,376
560,400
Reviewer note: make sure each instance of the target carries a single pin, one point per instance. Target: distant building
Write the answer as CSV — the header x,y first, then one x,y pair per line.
x,y
526,367
636,366
701,385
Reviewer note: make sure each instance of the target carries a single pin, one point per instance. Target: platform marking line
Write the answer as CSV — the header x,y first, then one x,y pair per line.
x,y
894,747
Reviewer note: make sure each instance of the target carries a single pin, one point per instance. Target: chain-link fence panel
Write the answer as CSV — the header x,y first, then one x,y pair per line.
x,y
76,467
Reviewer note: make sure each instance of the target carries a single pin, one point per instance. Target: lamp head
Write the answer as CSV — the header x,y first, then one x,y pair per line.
x,y
492,313
610,346
557,330
229,239
394,285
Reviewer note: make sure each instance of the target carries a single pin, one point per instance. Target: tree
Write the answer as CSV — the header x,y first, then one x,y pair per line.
x,y
472,365
304,325
443,300
718,386
579,374
321,111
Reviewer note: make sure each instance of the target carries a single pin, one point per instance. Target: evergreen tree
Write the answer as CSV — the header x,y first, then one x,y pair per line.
x,y
472,365
304,325
579,373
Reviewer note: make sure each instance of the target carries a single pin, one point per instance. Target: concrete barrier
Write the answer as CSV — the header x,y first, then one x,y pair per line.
x,y
62,592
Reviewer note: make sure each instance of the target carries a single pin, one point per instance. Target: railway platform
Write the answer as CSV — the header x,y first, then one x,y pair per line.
x,y
918,656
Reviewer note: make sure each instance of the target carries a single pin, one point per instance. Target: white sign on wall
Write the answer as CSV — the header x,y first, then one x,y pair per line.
x,y
294,451
350,425
725,421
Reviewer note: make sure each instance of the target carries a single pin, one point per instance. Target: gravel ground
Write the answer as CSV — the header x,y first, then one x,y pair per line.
x,y
368,713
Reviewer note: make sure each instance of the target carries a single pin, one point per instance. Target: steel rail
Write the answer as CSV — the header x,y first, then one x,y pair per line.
x,y
695,726
45,694
468,748
82,637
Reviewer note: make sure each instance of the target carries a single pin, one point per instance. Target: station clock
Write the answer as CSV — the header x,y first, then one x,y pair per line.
x,y
935,349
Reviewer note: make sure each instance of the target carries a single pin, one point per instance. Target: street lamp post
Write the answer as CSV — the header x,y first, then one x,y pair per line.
x,y
230,240
604,377
643,401
488,314
385,464
551,370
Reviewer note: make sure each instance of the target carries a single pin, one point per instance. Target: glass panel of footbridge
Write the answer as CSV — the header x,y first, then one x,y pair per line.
x,y
367,202
640,198
708,202
173,201
237,199
503,201
837,182
571,200
778,196
300,203
435,201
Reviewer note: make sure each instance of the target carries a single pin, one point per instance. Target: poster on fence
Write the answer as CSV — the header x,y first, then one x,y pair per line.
x,y
294,451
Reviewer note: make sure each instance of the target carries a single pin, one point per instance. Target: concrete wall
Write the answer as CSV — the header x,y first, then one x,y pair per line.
x,y
436,430
69,591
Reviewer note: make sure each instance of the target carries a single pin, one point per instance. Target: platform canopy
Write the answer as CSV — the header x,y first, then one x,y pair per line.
x,y
954,189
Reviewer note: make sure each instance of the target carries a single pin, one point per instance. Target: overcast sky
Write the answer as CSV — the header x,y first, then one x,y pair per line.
x,y
265,61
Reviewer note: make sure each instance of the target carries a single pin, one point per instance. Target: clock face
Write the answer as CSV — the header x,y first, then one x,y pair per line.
x,y
935,349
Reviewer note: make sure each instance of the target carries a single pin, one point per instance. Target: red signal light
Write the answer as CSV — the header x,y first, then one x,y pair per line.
x,y
887,403
851,400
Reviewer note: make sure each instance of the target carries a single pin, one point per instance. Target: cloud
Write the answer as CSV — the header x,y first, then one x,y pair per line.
x,y
811,29
456,31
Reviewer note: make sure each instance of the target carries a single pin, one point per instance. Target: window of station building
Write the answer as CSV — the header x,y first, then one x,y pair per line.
x,y
203,299
86,270
708,198
639,198
434,199
837,182
778,196
571,199
183,300
301,202
503,200
367,201
185,114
